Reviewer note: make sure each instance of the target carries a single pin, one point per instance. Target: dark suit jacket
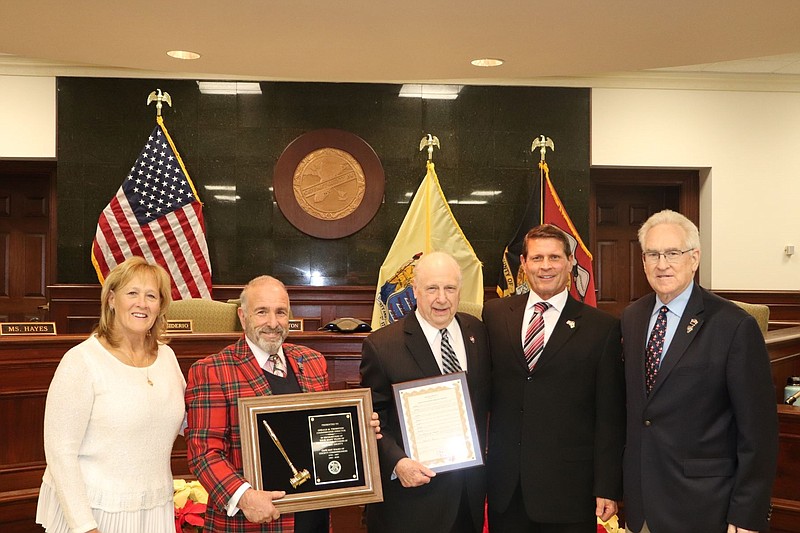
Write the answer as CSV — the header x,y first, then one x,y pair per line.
x,y
558,431
213,443
701,449
400,352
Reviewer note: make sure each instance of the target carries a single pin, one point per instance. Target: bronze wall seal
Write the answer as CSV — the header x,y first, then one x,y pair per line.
x,y
328,183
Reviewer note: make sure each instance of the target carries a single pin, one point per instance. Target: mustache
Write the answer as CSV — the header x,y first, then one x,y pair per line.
x,y
267,329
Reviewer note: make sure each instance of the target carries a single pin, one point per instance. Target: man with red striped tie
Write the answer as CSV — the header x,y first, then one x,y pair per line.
x,y
557,423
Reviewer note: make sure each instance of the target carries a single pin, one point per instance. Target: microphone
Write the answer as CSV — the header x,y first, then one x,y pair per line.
x,y
793,398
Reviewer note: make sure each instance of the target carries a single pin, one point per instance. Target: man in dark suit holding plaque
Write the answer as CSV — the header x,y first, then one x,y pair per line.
x,y
432,341
702,435
557,423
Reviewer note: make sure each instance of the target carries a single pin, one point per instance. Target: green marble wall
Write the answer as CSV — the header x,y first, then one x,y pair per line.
x,y
235,140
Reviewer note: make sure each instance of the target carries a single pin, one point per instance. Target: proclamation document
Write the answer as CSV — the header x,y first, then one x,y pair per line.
x,y
437,422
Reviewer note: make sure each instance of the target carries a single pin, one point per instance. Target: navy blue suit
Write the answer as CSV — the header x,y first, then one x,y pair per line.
x,y
702,447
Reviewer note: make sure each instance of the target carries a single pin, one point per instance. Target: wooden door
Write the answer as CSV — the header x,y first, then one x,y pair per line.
x,y
26,238
621,200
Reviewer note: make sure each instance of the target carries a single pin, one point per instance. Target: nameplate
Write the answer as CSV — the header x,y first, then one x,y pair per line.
x,y
179,326
296,324
28,328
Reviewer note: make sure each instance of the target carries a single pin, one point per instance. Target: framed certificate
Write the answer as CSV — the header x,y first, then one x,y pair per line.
x,y
437,422
316,446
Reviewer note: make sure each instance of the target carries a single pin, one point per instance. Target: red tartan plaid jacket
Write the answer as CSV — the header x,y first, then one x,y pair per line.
x,y
213,443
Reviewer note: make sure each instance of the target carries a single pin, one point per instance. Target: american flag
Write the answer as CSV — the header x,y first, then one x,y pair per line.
x,y
156,214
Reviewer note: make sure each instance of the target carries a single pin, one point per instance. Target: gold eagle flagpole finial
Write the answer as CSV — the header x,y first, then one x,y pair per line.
x,y
429,141
158,97
542,143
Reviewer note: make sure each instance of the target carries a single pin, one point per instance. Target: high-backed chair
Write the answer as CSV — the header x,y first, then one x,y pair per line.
x,y
207,316
759,311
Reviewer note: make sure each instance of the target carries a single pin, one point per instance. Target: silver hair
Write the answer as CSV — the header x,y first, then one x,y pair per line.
x,y
667,216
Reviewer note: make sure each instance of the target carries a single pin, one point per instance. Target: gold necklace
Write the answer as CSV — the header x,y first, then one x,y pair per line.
x,y
146,367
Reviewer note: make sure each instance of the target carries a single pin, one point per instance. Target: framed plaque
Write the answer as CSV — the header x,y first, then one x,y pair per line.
x,y
317,446
437,422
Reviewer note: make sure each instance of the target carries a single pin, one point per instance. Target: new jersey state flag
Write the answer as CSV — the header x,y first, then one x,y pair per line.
x,y
429,226
157,215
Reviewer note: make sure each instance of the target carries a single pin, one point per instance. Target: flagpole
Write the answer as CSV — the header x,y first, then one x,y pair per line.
x,y
542,143
429,141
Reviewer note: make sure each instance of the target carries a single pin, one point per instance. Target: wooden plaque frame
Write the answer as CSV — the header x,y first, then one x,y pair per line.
x,y
295,410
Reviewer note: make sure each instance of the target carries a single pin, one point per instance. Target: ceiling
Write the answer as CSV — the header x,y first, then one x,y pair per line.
x,y
578,42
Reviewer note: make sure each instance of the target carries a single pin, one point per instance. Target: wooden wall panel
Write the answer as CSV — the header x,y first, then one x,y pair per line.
x,y
784,306
5,250
76,308
34,277
786,491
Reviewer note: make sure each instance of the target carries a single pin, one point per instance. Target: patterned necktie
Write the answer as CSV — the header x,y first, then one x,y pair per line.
x,y
654,348
277,365
449,360
534,337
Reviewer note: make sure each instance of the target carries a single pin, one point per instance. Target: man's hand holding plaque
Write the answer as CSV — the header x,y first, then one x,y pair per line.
x,y
412,473
438,426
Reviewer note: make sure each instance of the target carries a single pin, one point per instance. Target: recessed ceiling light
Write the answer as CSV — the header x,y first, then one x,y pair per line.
x,y
487,62
183,54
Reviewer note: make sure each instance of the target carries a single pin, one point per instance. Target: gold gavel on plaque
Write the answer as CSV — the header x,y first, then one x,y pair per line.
x,y
299,477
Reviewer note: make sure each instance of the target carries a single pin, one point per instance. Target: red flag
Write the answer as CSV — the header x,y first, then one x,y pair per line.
x,y
553,212
156,214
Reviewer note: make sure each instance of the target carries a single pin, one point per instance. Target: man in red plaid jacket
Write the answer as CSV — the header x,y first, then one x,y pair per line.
x,y
260,363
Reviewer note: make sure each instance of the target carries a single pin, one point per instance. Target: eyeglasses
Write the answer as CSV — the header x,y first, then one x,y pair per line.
x,y
671,256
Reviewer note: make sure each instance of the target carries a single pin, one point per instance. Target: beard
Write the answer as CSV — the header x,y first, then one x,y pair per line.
x,y
269,346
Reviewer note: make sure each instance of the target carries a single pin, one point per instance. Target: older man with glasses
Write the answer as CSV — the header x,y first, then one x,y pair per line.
x,y
701,445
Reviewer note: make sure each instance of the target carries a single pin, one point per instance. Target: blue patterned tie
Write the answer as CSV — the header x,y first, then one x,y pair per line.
x,y
534,337
655,347
449,360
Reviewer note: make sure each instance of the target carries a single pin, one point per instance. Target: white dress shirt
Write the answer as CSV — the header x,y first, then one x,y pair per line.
x,y
550,316
434,337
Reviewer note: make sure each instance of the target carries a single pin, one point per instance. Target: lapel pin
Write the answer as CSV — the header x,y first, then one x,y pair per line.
x,y
692,324
472,339
571,324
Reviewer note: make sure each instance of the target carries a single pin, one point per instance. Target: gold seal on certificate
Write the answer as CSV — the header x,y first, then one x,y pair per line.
x,y
437,422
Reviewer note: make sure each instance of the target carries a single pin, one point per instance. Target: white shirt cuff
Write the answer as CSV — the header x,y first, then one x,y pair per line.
x,y
233,503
